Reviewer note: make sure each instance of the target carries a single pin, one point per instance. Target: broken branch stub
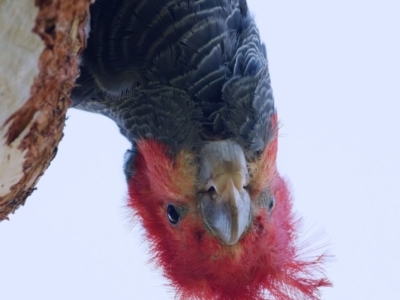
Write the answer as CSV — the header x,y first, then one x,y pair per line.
x,y
40,43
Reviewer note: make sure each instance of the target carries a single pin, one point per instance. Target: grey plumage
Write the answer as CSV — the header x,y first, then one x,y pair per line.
x,y
180,71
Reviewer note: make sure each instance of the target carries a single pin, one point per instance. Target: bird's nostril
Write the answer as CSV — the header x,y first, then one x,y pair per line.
x,y
211,189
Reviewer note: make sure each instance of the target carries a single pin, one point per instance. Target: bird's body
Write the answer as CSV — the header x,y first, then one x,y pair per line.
x,y
205,57
188,84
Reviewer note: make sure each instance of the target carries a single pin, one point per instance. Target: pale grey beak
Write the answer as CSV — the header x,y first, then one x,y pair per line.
x,y
226,204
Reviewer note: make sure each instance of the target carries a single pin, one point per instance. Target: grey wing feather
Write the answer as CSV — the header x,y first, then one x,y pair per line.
x,y
205,53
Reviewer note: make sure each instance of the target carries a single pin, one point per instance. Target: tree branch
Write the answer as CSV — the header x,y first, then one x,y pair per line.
x,y
40,43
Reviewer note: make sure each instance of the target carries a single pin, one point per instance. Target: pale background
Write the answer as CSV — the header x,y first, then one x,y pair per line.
x,y
335,73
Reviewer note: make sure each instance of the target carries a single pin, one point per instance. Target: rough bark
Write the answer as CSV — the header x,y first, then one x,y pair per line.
x,y
40,43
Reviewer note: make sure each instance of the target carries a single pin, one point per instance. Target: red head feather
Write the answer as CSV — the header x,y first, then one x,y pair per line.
x,y
265,260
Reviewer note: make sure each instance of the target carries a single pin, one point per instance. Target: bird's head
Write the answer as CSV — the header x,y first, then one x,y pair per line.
x,y
220,223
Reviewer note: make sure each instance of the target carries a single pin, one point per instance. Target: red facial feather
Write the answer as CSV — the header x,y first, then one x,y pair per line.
x,y
198,265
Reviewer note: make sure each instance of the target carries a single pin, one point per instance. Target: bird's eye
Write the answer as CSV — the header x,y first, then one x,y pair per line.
x,y
173,215
271,203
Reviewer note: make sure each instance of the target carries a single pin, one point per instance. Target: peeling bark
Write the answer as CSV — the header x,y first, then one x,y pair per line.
x,y
40,43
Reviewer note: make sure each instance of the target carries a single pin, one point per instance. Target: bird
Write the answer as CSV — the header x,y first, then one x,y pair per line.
x,y
188,84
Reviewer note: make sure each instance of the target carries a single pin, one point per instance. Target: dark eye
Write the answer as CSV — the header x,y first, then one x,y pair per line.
x,y
173,215
271,203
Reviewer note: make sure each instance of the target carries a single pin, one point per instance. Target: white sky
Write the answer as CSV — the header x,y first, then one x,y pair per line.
x,y
335,74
